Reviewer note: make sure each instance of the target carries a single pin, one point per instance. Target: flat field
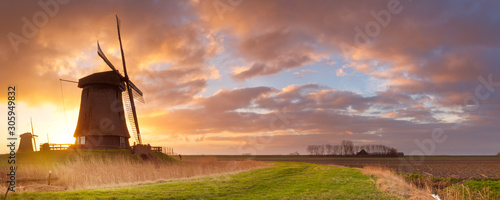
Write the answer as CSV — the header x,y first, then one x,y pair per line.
x,y
280,177
463,167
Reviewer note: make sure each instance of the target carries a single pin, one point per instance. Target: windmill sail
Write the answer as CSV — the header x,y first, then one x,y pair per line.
x,y
121,47
101,54
134,114
33,132
132,91
129,86
130,116
136,93
135,88
137,96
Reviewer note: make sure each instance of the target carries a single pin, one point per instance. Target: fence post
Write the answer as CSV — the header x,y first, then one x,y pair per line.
x,y
50,172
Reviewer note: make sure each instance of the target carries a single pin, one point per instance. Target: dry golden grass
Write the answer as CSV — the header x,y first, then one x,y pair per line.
x,y
390,182
461,192
98,171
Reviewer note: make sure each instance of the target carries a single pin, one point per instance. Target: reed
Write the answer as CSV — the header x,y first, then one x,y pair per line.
x,y
95,171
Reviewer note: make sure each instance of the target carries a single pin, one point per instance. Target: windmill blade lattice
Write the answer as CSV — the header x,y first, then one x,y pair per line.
x,y
137,96
136,93
130,117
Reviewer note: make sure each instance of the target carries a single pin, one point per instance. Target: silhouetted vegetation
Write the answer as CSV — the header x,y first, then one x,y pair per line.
x,y
347,148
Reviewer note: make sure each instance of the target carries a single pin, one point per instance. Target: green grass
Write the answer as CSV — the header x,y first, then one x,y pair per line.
x,y
479,186
281,181
474,189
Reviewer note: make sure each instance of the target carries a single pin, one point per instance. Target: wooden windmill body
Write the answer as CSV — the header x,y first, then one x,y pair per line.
x,y
26,143
102,122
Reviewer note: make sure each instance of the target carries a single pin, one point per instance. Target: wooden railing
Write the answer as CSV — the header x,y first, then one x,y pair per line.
x,y
54,147
59,147
165,150
157,149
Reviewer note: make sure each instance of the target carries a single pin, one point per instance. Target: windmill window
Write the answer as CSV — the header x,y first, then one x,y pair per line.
x,y
81,140
122,142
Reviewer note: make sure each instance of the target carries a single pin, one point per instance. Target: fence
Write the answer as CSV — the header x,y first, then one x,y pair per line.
x,y
165,150
54,147
59,147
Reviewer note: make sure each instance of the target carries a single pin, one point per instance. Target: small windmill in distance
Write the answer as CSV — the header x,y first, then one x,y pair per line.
x,y
27,140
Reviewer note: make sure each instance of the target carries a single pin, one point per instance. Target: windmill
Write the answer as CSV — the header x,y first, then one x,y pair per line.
x,y
101,122
27,140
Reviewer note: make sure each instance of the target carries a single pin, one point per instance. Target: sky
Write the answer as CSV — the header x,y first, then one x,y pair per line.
x,y
265,76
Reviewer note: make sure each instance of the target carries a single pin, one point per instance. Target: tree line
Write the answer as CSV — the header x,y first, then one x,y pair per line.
x,y
347,148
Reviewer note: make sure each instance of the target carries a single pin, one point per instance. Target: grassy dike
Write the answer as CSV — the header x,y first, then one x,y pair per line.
x,y
281,181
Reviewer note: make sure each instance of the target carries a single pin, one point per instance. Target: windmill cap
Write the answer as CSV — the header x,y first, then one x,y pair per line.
x,y
27,134
108,77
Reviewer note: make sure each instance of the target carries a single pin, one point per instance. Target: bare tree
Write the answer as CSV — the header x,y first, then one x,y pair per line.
x,y
342,147
321,150
347,147
350,146
392,152
310,150
329,149
336,150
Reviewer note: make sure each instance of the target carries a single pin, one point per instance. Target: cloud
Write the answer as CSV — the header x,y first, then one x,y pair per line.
x,y
227,100
438,48
274,52
318,107
150,37
340,72
303,72
430,65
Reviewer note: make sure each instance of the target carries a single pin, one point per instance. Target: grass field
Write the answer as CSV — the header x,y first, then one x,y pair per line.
x,y
121,175
281,181
452,177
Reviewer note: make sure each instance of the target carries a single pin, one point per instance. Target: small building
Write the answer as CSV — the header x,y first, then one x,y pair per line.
x,y
362,153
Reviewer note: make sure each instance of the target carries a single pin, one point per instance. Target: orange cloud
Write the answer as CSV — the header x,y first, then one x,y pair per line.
x,y
175,49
